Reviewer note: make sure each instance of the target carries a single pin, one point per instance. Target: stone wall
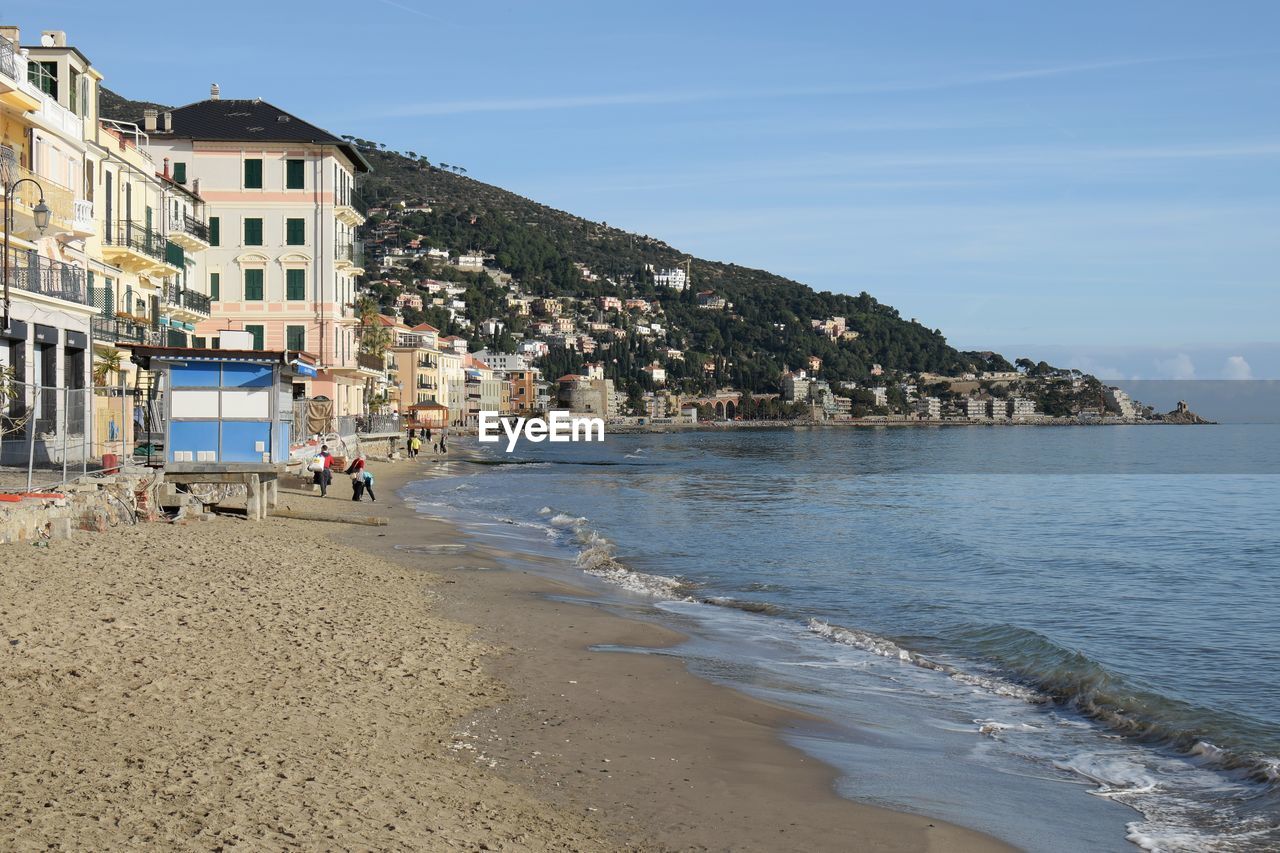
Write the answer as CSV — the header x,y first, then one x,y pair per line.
x,y
93,503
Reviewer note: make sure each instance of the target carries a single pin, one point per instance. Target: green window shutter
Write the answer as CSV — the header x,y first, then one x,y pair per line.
x,y
198,343
294,175
295,285
258,338
174,255
253,174
252,232
215,286
179,173
215,231
216,343
253,285
295,232
295,338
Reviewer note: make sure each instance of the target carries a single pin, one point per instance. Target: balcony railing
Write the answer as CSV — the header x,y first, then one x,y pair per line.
x,y
189,300
12,64
352,254
371,362
82,213
121,330
197,302
59,199
29,272
188,224
426,364
136,236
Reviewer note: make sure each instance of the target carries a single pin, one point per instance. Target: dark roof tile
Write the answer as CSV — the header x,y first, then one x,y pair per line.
x,y
256,120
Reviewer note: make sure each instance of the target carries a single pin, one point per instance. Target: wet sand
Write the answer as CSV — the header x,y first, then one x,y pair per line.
x,y
308,685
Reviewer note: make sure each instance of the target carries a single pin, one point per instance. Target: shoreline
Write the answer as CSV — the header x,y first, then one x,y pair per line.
x,y
301,683
689,747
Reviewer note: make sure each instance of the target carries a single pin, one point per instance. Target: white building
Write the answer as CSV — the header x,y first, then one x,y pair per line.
x,y
502,362
283,261
675,278
975,409
1021,407
929,408
1119,401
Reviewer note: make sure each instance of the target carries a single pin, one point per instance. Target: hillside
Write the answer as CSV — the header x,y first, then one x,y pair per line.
x,y
767,329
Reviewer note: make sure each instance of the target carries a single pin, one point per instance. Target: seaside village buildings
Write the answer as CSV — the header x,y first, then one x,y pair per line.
x,y
230,223
222,215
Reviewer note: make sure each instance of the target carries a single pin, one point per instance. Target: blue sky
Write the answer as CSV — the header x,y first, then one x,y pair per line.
x,y
1094,183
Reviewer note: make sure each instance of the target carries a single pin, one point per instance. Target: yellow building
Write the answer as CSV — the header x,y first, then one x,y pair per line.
x,y
44,172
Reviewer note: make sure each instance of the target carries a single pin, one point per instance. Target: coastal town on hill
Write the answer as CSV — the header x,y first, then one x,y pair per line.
x,y
232,223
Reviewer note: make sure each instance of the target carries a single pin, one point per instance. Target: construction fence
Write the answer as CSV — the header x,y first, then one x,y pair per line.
x,y
50,435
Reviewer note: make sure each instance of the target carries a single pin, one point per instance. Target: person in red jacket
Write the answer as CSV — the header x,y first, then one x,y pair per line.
x,y
324,476
357,472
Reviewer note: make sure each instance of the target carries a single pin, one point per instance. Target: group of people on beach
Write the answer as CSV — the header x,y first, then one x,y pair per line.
x,y
417,438
321,467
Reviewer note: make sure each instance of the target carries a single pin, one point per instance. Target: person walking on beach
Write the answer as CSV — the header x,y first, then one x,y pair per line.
x,y
415,446
413,435
324,476
368,485
443,450
356,470
426,436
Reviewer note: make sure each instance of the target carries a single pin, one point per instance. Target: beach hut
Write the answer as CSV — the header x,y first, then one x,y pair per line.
x,y
225,406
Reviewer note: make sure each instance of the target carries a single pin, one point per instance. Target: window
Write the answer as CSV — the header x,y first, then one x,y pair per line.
x,y
295,338
294,175
295,285
215,231
44,75
215,286
216,343
180,173
253,285
295,232
73,93
258,337
252,231
253,174
197,342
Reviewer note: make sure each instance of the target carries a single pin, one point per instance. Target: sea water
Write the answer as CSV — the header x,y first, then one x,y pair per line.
x,y
1066,637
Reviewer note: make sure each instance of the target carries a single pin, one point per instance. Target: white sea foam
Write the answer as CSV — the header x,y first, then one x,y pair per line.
x,y
562,519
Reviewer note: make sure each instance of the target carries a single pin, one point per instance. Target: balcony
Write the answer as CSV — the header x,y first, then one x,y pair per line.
x,y
57,118
82,224
188,232
122,330
30,273
135,248
368,361
60,200
185,304
15,89
196,303
349,258
348,215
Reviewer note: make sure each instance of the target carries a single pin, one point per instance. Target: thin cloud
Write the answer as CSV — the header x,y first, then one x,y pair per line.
x,y
668,98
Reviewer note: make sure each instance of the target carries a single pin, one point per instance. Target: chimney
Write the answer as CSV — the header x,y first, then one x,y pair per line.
x,y
195,186
53,38
168,121
12,33
149,120
166,168
214,92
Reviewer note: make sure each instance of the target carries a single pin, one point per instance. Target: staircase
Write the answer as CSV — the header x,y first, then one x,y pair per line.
x,y
148,418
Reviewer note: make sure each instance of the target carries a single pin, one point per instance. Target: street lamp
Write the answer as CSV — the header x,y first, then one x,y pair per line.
x,y
41,215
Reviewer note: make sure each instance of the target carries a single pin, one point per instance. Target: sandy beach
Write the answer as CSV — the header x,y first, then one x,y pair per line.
x,y
310,685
